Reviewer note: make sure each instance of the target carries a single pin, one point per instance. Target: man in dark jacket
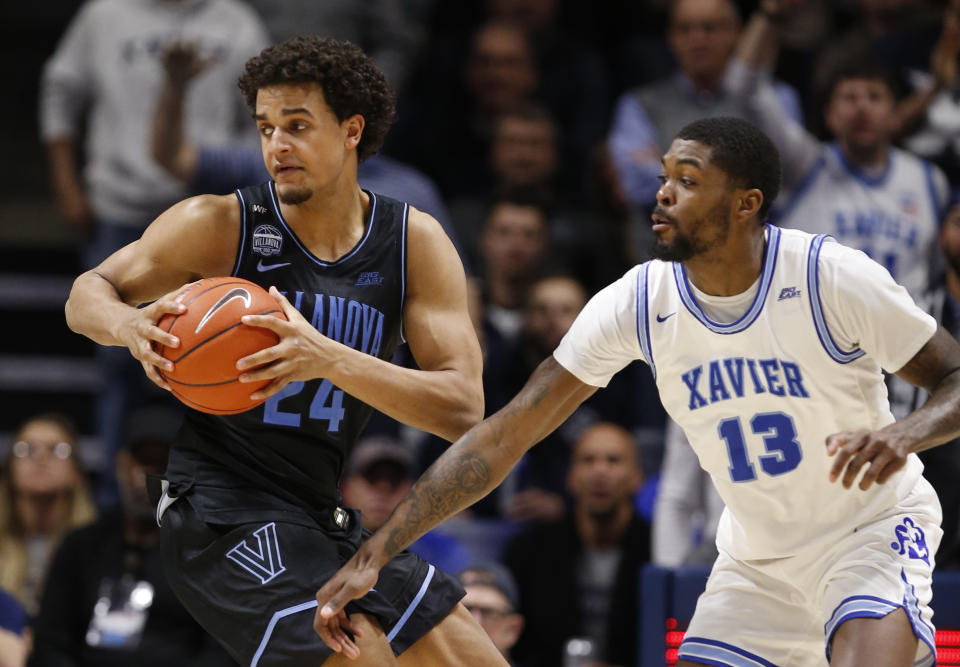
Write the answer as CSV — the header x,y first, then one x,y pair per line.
x,y
586,565
106,602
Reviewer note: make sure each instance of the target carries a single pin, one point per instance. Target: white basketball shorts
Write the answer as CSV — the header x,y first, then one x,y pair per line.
x,y
783,612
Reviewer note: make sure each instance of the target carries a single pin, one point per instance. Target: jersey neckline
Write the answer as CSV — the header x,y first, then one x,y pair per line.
x,y
303,247
766,279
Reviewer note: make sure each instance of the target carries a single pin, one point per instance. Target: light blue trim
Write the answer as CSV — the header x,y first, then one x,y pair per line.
x,y
868,606
283,613
766,279
857,606
243,232
938,211
296,239
643,318
858,174
413,605
923,630
816,307
712,652
403,266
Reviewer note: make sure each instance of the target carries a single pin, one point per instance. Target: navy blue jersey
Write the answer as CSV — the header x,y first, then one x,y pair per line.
x,y
288,453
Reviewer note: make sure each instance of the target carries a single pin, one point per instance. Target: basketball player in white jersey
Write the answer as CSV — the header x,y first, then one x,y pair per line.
x,y
767,346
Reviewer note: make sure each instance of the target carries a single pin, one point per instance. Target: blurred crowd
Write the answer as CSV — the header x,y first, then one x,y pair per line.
x,y
532,130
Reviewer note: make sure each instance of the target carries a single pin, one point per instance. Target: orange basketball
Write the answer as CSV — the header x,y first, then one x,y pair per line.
x,y
212,339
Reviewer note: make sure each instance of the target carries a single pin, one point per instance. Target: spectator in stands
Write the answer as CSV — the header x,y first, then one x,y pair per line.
x,y
859,188
107,64
591,572
897,33
702,35
514,247
941,464
492,598
13,632
449,132
43,494
523,155
574,81
378,475
379,27
687,508
107,602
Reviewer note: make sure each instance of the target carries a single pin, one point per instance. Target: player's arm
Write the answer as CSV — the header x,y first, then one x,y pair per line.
x,y
466,472
196,238
936,368
444,397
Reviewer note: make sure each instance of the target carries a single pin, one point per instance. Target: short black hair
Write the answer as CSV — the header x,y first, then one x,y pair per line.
x,y
350,80
747,155
521,196
860,66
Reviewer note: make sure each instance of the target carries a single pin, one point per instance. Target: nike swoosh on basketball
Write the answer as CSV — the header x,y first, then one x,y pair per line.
x,y
664,318
261,267
236,293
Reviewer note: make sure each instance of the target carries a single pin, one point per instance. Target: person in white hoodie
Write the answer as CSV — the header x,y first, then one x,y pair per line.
x,y
108,70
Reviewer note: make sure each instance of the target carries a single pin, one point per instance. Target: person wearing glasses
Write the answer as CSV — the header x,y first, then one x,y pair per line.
x,y
43,494
492,598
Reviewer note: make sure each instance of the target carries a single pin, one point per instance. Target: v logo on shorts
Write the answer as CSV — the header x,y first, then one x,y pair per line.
x,y
263,561
911,541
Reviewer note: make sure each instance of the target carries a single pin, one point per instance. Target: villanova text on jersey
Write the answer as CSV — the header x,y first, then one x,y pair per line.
x,y
736,377
355,324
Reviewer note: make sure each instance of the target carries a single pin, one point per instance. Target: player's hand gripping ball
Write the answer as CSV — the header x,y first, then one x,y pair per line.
x,y
212,339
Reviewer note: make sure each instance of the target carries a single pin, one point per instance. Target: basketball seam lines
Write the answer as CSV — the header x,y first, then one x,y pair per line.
x,y
222,331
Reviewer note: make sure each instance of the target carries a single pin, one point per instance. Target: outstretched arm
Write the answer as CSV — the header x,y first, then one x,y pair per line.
x,y
936,368
168,142
466,472
749,78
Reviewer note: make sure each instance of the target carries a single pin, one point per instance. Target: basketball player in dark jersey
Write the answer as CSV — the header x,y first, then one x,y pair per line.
x,y
250,515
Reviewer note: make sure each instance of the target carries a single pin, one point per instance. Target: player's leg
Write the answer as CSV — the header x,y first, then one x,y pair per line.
x,y
877,592
750,614
457,640
878,642
372,642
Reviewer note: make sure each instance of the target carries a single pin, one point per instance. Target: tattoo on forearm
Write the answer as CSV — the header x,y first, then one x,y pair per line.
x,y
447,487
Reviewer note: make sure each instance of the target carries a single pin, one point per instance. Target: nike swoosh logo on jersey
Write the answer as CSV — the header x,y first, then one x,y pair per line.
x,y
235,293
261,267
664,318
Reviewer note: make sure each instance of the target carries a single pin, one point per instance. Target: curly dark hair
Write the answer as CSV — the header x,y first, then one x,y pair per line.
x,y
748,156
351,82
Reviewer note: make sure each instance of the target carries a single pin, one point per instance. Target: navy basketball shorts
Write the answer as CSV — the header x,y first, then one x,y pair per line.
x,y
252,585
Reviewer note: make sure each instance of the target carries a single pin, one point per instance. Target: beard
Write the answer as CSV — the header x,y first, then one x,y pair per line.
x,y
684,246
294,196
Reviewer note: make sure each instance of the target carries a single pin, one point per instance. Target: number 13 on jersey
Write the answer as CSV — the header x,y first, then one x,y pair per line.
x,y
779,434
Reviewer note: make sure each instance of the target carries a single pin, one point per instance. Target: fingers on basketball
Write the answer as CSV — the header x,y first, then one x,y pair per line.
x,y
212,340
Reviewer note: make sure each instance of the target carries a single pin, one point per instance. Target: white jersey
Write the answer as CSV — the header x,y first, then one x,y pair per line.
x,y
758,397
893,218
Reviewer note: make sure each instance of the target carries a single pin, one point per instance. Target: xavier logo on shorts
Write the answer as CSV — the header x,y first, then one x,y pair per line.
x,y
263,561
911,541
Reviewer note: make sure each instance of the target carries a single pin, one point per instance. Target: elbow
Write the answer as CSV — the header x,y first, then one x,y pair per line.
x,y
70,312
465,416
